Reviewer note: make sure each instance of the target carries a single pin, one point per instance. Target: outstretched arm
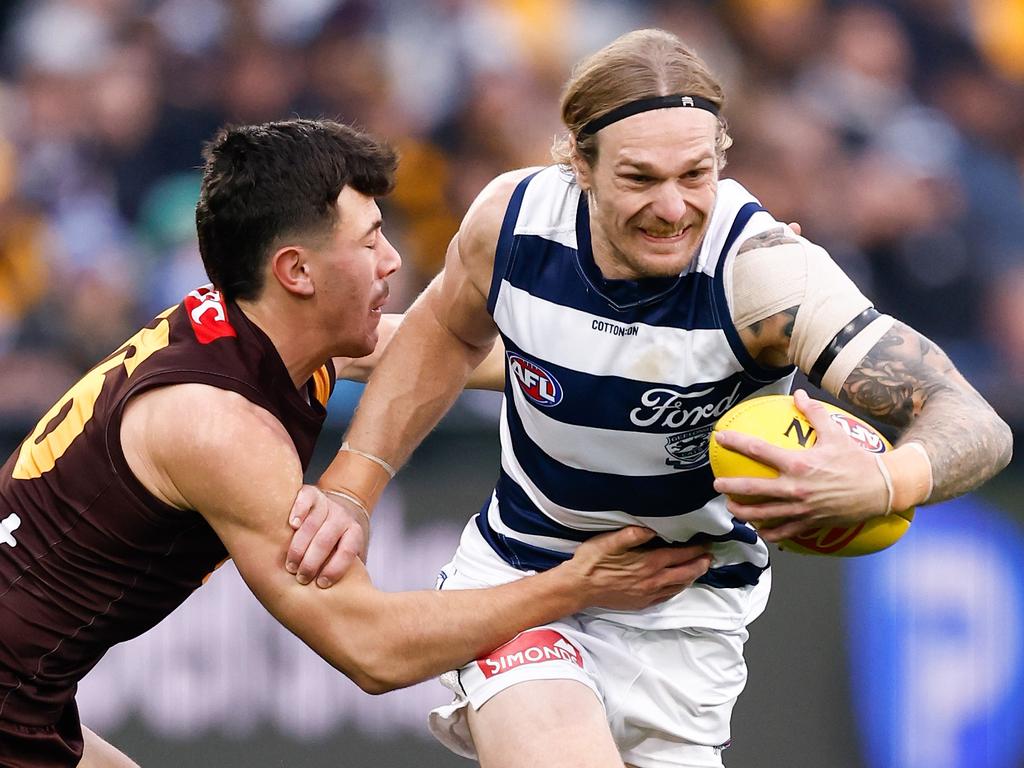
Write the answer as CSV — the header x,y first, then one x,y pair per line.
x,y
197,447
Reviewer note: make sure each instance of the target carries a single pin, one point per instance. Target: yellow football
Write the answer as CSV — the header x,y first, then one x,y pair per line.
x,y
776,419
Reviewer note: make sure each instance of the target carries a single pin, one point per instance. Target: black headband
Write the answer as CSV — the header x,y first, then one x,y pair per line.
x,y
645,105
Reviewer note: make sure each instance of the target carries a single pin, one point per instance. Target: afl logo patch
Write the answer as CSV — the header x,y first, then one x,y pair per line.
x,y
860,433
537,384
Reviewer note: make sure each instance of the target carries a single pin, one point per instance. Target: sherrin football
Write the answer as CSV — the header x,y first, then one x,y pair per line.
x,y
776,419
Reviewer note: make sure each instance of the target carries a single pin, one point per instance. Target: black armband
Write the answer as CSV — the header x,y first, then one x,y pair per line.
x,y
840,340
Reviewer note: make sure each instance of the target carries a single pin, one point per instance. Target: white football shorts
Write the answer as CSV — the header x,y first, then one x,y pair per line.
x,y
668,693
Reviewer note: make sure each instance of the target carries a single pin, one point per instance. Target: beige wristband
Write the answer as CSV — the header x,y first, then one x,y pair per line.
x,y
376,459
357,475
911,473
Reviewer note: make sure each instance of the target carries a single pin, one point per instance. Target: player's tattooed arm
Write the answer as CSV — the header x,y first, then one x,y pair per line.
x,y
908,382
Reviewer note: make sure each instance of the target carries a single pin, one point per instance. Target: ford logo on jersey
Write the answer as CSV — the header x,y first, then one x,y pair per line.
x,y
537,384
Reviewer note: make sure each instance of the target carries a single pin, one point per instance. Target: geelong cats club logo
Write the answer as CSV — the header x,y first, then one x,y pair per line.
x,y
537,384
689,450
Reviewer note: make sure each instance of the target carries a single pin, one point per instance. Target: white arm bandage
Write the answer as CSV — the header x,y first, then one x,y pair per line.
x,y
834,326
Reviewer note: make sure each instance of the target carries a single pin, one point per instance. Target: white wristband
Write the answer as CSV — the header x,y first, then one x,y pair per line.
x,y
888,482
375,459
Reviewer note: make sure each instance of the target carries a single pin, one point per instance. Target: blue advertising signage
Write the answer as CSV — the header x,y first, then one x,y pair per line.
x,y
936,633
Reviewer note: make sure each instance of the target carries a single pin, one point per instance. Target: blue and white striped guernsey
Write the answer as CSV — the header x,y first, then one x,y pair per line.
x,y
611,391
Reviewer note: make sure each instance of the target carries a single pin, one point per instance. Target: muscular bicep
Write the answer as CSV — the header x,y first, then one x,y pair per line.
x,y
458,296
235,464
465,284
769,339
211,450
764,284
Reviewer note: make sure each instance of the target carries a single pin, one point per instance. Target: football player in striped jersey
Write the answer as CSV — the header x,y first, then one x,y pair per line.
x,y
638,295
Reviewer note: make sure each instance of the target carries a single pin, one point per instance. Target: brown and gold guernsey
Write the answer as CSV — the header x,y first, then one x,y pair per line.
x,y
88,557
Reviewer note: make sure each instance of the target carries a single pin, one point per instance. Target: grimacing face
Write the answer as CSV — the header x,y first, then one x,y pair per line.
x,y
352,267
652,190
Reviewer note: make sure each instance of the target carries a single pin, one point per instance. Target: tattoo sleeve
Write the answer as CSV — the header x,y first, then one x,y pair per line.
x,y
908,382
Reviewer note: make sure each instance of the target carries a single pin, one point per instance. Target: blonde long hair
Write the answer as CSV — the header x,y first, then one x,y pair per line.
x,y
637,65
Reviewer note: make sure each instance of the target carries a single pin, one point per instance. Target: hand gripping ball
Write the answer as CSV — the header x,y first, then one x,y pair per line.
x,y
776,419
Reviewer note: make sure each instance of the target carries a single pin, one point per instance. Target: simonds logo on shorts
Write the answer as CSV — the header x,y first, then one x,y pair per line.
x,y
537,384
531,647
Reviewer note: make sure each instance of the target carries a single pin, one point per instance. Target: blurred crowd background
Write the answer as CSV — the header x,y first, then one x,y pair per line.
x,y
894,132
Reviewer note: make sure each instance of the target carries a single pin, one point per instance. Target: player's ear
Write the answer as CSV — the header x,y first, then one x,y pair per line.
x,y
289,265
579,166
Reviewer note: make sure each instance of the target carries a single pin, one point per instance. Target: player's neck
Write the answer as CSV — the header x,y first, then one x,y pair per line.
x,y
611,265
296,342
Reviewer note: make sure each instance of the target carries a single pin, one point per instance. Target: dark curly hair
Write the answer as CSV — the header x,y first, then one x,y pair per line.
x,y
264,183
